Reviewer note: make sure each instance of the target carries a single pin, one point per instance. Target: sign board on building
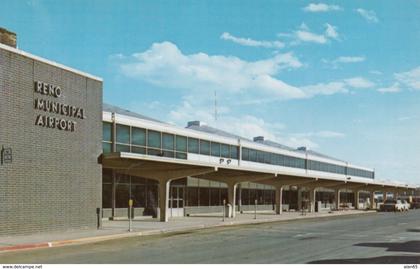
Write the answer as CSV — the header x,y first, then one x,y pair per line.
x,y
6,155
59,115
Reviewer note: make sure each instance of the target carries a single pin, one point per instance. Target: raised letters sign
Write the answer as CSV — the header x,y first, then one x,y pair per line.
x,y
6,155
54,107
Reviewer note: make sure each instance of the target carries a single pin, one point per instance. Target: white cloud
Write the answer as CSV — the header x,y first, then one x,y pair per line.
x,y
368,15
341,86
410,78
344,60
350,59
321,7
329,134
165,65
325,88
406,118
251,42
359,82
331,31
375,72
323,134
305,35
244,125
391,89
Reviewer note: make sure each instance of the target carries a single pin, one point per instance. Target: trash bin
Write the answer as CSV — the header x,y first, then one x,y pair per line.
x,y
228,210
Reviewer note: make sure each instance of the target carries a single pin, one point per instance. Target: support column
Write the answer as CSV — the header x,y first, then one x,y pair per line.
x,y
337,199
164,186
239,198
356,199
312,199
299,199
113,194
279,200
232,197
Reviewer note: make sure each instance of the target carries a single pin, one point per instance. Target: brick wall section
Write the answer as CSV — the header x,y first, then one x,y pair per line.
x,y
54,181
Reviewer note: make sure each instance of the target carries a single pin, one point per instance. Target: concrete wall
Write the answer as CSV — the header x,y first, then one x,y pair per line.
x,y
54,180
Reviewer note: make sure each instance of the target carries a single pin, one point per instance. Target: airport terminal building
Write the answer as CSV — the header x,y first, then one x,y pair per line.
x,y
67,157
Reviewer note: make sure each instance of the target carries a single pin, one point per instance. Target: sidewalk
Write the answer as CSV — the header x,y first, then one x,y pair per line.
x,y
148,226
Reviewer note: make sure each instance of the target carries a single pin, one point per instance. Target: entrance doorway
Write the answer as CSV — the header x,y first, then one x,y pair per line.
x,y
176,201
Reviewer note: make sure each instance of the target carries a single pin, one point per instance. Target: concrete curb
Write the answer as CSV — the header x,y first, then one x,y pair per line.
x,y
101,238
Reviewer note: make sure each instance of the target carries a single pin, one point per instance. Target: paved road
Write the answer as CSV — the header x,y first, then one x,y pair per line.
x,y
373,238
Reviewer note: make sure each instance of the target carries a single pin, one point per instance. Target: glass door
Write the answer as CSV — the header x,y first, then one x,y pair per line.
x,y
176,201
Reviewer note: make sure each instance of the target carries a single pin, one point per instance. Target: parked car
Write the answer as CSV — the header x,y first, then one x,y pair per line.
x,y
415,203
394,205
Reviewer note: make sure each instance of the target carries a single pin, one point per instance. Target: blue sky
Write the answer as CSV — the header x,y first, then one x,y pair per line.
x,y
341,77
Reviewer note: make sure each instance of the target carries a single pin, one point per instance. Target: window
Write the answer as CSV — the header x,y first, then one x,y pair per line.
x,y
138,194
260,156
268,197
181,155
106,147
224,151
138,136
300,163
155,152
192,196
245,154
234,152
153,139
267,157
168,142
122,195
252,155
123,134
276,159
169,154
223,195
106,195
123,148
181,143
214,196
106,175
107,131
193,145
245,196
252,196
215,149
259,196
139,150
204,196
204,147
281,160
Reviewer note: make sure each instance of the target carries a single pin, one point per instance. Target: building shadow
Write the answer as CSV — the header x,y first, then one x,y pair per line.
x,y
409,246
374,260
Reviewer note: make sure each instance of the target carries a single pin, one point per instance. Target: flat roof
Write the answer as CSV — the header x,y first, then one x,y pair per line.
x,y
40,59
206,129
116,109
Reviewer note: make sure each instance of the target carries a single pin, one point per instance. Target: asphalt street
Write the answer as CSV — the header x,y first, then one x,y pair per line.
x,y
371,238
